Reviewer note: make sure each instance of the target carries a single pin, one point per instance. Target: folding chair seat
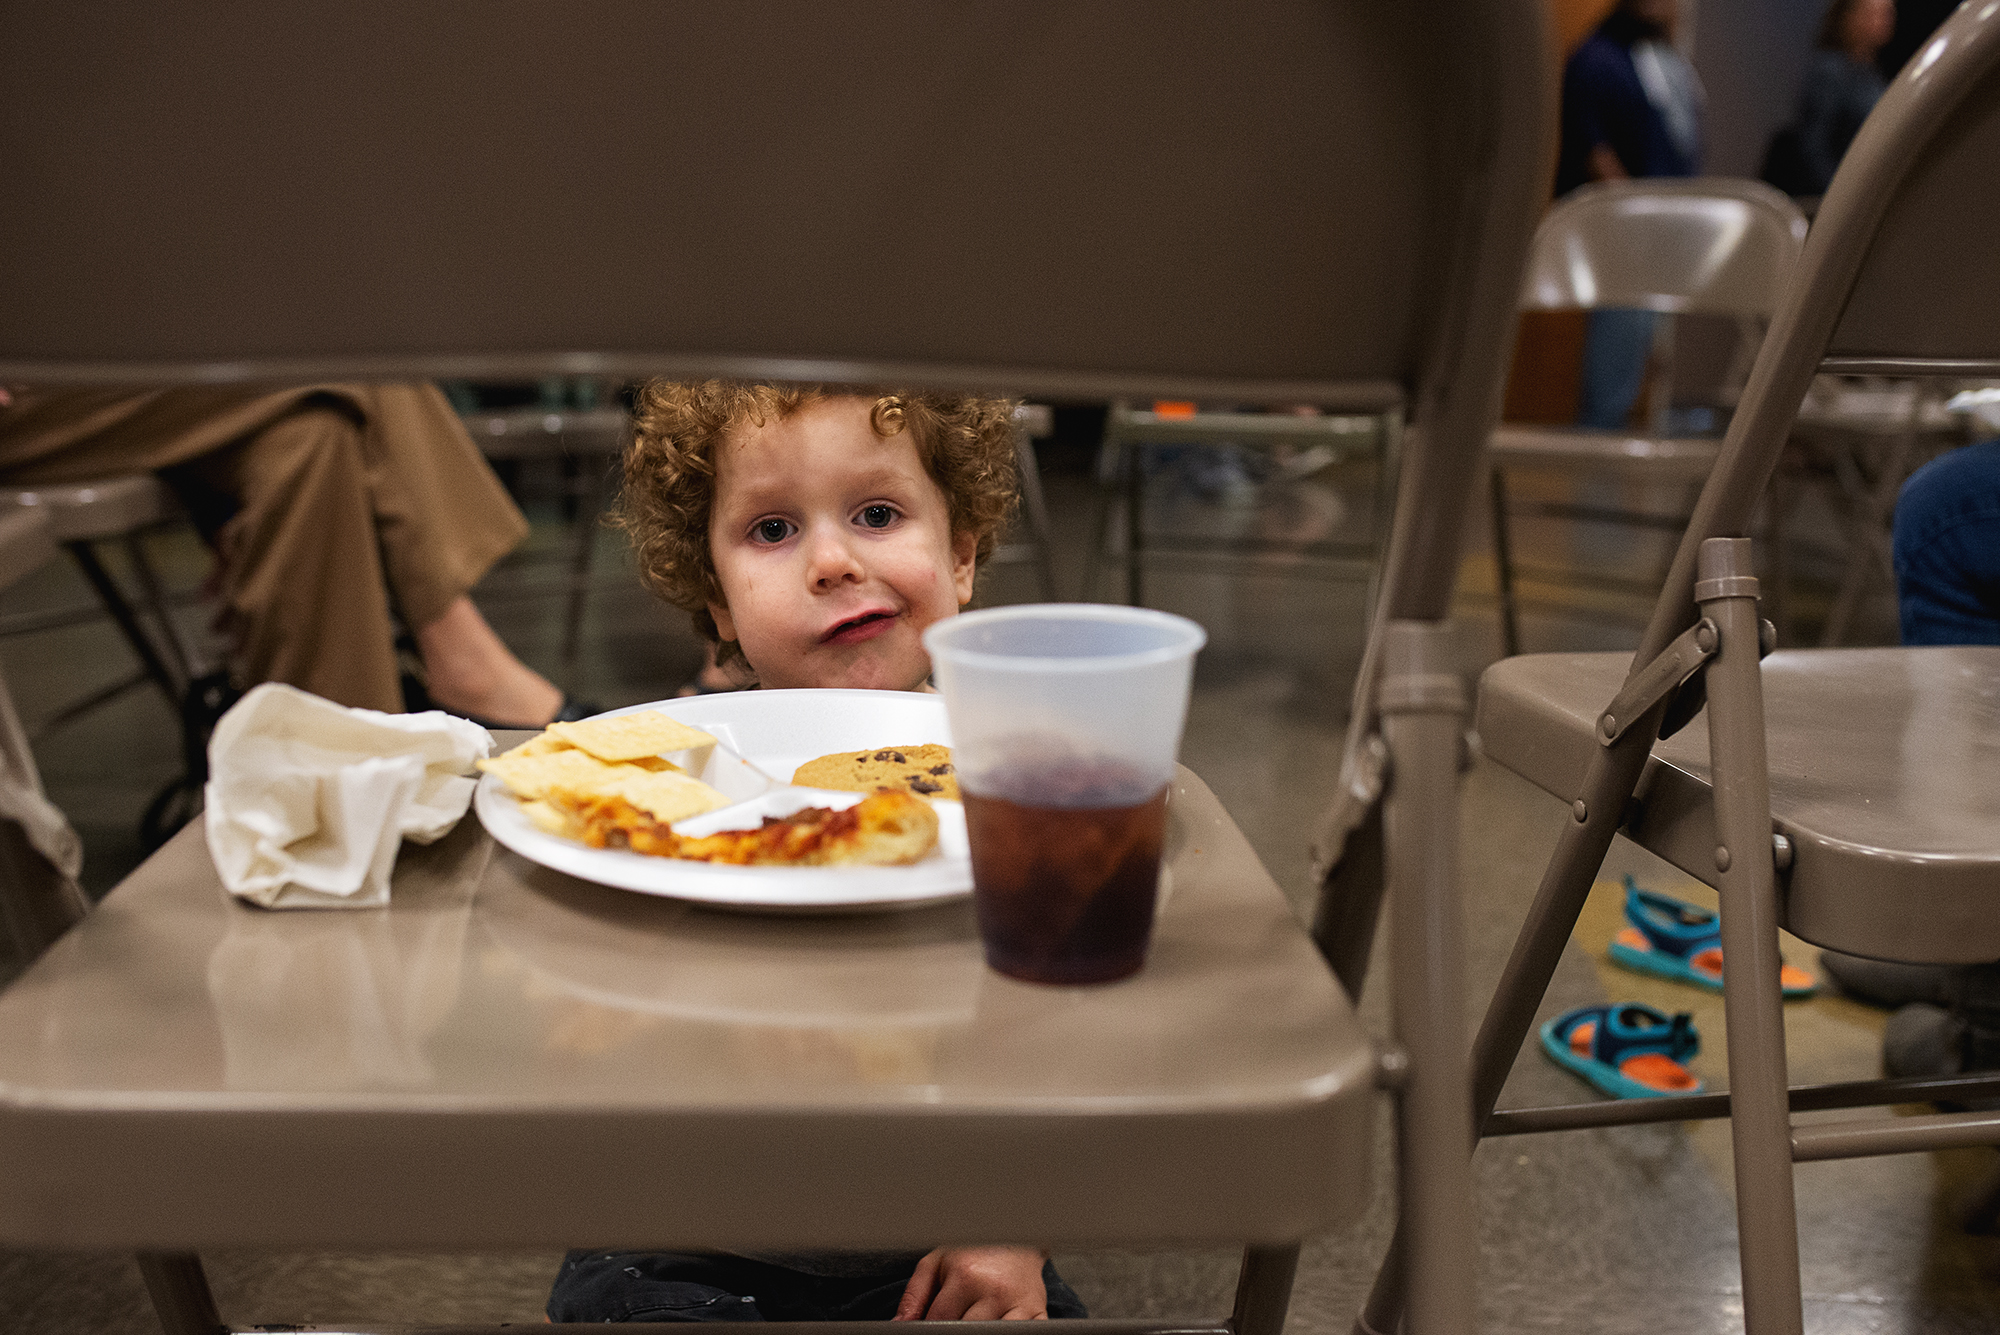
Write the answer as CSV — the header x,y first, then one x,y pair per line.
x,y
1880,777
1847,795
1704,246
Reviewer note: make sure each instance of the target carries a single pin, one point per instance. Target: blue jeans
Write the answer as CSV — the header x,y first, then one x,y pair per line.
x,y
1947,549
1617,344
708,1286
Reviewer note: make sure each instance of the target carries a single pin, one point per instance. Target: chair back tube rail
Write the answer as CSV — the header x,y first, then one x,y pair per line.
x,y
1264,1290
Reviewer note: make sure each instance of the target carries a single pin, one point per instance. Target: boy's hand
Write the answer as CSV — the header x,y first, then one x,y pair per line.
x,y
977,1284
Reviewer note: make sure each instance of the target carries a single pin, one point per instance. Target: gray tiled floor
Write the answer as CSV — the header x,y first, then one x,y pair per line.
x,y
1619,1231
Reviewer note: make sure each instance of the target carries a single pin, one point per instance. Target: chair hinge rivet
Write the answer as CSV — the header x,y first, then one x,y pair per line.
x,y
1721,858
1781,852
1580,810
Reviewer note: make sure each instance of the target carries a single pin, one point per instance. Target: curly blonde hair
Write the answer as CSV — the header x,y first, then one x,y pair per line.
x,y
966,443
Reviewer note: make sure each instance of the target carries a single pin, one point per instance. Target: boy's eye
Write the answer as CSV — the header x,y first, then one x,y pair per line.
x,y
772,530
878,516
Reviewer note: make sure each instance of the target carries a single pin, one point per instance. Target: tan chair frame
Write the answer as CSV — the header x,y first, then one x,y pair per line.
x,y
1848,303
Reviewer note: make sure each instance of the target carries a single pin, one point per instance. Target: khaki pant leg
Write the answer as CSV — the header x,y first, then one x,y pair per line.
x,y
302,575
443,517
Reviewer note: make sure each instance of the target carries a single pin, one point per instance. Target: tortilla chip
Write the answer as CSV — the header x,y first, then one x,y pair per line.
x,y
632,736
666,795
531,776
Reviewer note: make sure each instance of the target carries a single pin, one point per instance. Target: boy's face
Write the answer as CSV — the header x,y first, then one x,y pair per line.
x,y
834,549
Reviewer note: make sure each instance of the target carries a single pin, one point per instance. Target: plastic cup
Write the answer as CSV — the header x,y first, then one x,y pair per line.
x,y
1065,720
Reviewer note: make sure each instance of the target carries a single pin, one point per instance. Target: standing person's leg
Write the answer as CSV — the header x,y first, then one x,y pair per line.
x,y
1617,345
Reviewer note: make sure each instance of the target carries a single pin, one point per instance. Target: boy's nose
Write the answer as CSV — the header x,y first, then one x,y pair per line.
x,y
833,560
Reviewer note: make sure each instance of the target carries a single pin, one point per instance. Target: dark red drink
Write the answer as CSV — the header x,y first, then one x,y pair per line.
x,y
1065,868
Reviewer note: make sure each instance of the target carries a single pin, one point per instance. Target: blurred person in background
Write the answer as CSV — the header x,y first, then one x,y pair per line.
x,y
1631,107
1842,86
334,511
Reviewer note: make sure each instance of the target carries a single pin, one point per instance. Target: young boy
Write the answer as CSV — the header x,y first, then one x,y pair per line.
x,y
813,534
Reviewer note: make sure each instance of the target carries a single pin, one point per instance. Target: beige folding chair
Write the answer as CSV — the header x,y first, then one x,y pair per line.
x,y
1856,443
1703,246
1357,186
1845,794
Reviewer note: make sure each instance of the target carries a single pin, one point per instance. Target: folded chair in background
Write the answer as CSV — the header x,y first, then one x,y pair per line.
x,y
122,510
586,443
1845,794
1355,188
1703,246
1312,440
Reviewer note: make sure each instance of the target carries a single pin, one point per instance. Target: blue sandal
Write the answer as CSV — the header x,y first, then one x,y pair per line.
x,y
1671,939
1627,1050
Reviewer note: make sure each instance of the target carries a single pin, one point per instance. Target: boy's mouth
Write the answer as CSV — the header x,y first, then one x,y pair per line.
x,y
856,629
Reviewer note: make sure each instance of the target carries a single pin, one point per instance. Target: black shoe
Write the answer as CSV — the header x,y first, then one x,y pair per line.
x,y
416,700
1925,1040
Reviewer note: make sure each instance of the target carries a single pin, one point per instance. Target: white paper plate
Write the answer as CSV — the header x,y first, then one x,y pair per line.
x,y
768,735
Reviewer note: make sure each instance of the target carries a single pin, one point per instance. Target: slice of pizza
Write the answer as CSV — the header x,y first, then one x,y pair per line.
x,y
885,829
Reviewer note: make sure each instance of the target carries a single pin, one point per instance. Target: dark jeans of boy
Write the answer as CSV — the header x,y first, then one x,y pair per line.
x,y
712,1286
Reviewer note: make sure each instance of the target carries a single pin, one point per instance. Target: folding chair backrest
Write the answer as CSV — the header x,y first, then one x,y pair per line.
x,y
1699,246
1899,275
1267,204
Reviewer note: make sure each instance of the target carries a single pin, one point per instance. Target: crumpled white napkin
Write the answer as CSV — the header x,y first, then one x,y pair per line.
x,y
308,800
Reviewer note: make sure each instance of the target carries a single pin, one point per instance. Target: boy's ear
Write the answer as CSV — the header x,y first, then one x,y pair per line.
x,y
964,558
725,625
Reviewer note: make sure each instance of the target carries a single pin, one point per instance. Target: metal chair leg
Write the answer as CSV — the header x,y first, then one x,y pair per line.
x,y
583,549
1135,524
1760,1110
154,596
121,612
1110,475
1035,510
1565,885
1423,722
179,1289
1264,1290
1503,565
